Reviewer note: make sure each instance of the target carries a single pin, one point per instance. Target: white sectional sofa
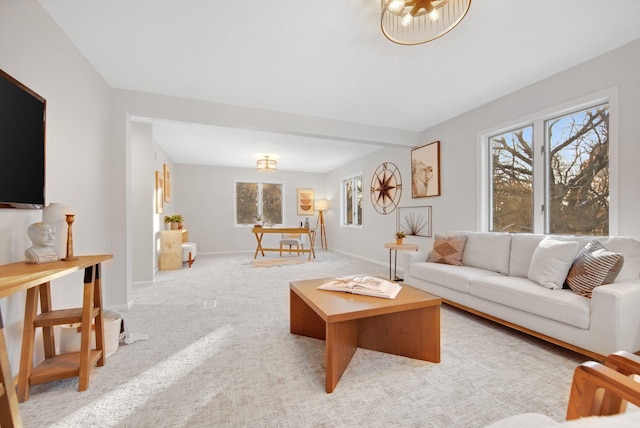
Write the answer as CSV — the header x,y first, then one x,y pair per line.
x,y
493,282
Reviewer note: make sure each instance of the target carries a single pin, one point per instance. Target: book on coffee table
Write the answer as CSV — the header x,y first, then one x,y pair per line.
x,y
363,284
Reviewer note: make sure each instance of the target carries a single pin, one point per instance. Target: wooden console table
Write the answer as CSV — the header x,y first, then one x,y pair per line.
x,y
260,231
35,279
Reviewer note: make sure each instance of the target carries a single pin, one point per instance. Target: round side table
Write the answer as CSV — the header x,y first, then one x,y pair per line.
x,y
397,247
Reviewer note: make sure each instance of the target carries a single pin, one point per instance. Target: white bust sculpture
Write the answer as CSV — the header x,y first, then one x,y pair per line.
x,y
42,236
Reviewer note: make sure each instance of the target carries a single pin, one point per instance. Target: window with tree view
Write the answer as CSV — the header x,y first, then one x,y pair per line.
x,y
352,201
258,201
572,175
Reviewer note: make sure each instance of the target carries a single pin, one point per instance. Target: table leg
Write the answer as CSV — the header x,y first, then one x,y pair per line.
x,y
47,331
28,339
340,345
259,247
395,267
312,241
303,319
9,409
85,332
99,321
413,334
390,277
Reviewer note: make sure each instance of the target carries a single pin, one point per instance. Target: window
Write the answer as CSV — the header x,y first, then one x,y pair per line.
x,y
255,200
352,201
564,159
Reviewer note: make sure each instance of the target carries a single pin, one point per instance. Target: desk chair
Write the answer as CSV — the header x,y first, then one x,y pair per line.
x,y
291,239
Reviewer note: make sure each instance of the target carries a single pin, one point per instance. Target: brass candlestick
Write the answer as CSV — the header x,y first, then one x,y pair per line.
x,y
70,218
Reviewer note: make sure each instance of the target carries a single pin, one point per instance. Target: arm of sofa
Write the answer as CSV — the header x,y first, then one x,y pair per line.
x,y
415,256
615,315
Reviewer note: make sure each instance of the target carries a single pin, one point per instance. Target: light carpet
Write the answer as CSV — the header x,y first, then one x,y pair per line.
x,y
220,353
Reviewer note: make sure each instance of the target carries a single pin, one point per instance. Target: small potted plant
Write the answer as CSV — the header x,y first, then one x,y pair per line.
x,y
178,219
400,235
168,220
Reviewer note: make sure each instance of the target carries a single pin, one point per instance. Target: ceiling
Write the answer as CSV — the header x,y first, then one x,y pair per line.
x,y
327,59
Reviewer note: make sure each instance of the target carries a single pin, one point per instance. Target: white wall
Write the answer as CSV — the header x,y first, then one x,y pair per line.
x,y
143,203
368,242
205,197
35,51
458,208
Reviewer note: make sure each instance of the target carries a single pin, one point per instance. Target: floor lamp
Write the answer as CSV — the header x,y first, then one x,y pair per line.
x,y
321,205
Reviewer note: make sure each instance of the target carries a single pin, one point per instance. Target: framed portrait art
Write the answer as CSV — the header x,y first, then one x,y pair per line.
x,y
305,201
425,170
414,221
159,192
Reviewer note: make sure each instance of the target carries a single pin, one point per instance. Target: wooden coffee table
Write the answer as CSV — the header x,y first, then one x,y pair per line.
x,y
408,325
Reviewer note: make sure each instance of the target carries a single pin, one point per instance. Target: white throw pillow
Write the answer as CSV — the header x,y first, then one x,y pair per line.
x,y
551,262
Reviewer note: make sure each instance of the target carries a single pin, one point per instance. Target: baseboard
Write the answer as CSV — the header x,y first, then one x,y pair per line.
x,y
357,256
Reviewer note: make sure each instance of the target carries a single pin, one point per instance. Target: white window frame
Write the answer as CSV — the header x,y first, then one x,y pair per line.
x,y
538,119
259,183
343,207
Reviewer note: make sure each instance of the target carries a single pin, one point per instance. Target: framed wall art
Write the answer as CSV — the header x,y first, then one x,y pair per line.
x,y
305,201
414,221
159,192
167,182
425,170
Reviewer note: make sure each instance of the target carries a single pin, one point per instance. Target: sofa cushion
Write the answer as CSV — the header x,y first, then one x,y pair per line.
x,y
524,244
593,267
551,262
448,250
454,277
520,293
630,249
522,247
487,250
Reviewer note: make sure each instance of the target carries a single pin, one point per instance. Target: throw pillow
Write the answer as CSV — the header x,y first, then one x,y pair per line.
x,y
551,262
447,250
594,266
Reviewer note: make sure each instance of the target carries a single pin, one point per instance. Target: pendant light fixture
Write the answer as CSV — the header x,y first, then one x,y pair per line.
x,y
412,22
266,164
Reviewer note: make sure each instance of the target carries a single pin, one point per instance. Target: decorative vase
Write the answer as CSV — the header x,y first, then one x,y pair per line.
x,y
69,251
55,214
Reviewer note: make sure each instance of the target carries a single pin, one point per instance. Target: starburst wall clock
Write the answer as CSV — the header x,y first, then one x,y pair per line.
x,y
386,188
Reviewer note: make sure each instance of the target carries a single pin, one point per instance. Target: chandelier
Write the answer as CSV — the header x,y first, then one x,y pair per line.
x,y
266,164
411,22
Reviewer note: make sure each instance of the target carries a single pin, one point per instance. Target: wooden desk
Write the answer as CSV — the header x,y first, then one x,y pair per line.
x,y
35,279
260,231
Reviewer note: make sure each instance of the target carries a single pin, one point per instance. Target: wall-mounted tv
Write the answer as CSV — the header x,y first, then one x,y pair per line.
x,y
22,145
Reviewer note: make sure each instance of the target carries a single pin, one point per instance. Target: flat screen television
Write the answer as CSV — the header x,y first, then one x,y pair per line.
x,y
22,145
